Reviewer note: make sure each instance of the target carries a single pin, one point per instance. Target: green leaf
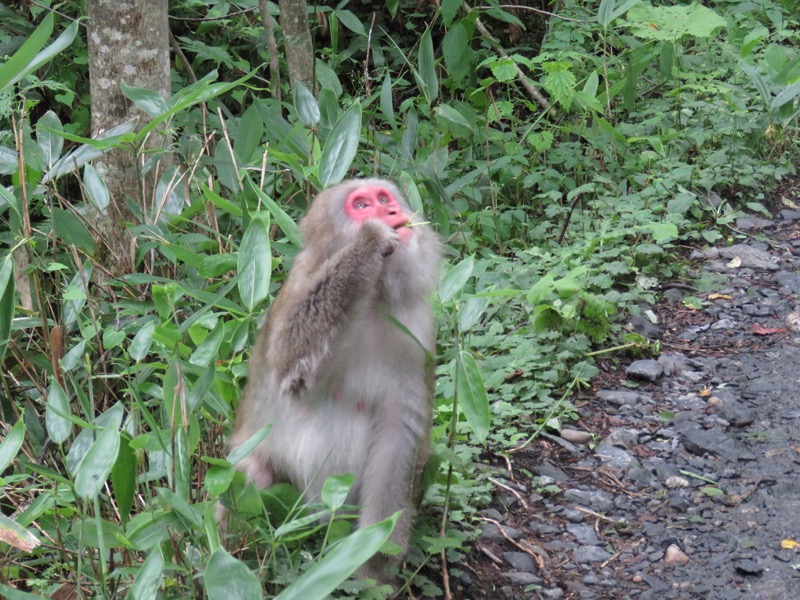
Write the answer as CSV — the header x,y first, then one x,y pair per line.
x,y
451,114
671,23
16,67
7,298
450,10
11,444
206,352
149,101
306,105
96,188
227,577
340,147
329,109
74,357
10,593
84,440
335,490
227,169
255,261
219,479
57,413
351,21
341,562
141,342
123,478
148,579
387,100
47,137
225,205
75,295
662,231
472,310
284,221
456,278
504,70
458,56
247,447
13,75
94,469
200,91
712,491
604,12
72,230
428,81
247,144
472,396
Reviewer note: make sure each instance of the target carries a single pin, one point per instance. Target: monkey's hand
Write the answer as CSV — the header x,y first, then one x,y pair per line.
x,y
327,299
385,238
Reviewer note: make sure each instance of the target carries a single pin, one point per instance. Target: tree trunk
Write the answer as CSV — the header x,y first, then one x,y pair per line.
x,y
297,42
272,50
128,41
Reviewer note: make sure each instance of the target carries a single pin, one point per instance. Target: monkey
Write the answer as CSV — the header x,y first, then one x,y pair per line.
x,y
342,365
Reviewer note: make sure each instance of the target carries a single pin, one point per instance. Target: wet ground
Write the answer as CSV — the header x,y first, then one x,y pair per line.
x,y
682,477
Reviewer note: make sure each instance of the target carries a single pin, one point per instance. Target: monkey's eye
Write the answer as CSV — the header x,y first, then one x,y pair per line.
x,y
383,199
359,204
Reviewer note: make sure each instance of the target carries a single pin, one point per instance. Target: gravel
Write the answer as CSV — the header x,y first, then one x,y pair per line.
x,y
683,480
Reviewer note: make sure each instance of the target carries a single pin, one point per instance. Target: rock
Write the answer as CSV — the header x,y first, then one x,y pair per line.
x,y
749,567
789,280
599,501
647,370
677,363
793,322
547,469
522,578
675,556
724,324
675,482
493,533
751,223
622,397
623,438
750,257
643,326
789,214
736,413
713,441
520,561
590,554
583,534
575,436
615,458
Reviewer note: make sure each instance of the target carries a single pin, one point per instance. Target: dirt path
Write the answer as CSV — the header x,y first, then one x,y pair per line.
x,y
692,489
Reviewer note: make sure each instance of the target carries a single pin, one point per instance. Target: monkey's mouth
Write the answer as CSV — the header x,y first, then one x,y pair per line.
x,y
403,231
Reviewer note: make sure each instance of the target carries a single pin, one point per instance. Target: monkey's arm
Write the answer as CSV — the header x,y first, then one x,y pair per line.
x,y
328,295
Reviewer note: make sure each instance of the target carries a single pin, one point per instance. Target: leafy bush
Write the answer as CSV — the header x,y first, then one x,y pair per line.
x,y
561,182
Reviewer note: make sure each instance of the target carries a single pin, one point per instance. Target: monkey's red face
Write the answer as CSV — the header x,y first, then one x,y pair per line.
x,y
376,202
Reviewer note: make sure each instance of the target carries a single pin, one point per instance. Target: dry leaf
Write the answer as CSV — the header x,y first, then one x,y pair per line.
x,y
720,296
759,330
735,263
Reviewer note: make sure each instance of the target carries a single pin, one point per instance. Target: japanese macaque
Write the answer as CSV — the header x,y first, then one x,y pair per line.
x,y
342,366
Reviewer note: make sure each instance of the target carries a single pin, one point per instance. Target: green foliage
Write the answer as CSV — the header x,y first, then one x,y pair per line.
x,y
660,124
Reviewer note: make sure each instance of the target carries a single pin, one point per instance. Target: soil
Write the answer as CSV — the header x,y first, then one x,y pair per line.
x,y
680,480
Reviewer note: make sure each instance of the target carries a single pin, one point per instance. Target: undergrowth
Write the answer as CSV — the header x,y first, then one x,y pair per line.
x,y
656,127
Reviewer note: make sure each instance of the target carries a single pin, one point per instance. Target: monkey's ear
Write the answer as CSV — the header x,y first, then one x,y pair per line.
x,y
297,377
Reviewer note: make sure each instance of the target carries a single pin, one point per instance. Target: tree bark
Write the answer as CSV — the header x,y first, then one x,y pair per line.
x,y
128,41
297,42
272,50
